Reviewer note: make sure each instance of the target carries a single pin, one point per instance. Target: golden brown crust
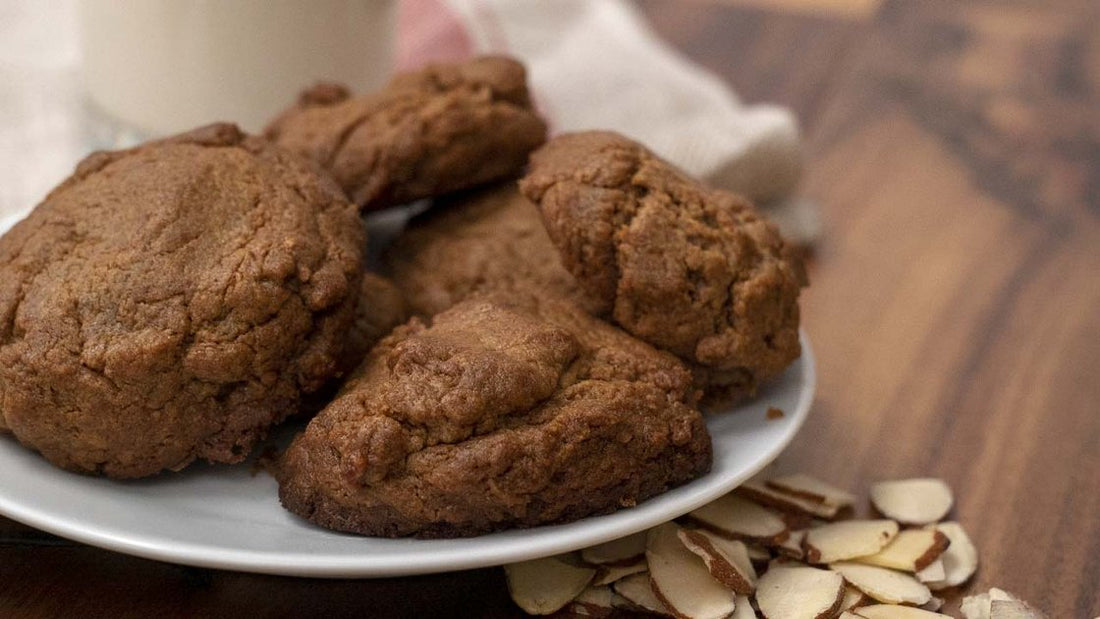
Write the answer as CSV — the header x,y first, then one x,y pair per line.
x,y
430,132
172,301
508,411
690,269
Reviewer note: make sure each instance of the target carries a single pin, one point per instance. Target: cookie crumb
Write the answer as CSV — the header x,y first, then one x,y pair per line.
x,y
775,413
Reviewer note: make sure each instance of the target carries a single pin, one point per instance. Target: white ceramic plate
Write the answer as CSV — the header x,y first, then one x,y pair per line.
x,y
225,517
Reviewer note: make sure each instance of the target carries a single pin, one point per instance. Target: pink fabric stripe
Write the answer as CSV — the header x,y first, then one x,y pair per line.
x,y
427,31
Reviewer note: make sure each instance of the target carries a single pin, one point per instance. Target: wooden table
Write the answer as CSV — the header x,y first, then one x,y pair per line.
x,y
955,301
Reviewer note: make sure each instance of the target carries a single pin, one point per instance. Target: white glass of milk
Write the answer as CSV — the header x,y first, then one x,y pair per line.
x,y
158,67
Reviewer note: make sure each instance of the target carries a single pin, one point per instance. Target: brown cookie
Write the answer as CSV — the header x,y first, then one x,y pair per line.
x,y
428,133
507,411
172,301
690,269
489,240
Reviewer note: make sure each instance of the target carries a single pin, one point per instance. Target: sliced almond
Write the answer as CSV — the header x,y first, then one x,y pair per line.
x,y
883,584
960,560
607,574
807,487
618,601
798,520
976,606
792,546
742,608
799,592
593,602
891,611
681,579
911,551
933,605
1000,594
838,541
786,502
758,554
637,589
727,559
980,606
782,561
933,573
625,550
912,501
740,518
1013,609
847,615
852,598
544,586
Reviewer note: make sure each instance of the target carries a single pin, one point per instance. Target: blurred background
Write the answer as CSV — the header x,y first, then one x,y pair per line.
x,y
101,74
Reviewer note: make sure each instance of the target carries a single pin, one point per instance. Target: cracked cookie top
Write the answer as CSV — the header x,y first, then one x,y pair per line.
x,y
508,409
171,301
690,269
427,133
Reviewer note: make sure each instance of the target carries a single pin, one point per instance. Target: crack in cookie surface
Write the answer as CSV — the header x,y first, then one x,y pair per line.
x,y
507,411
691,269
427,133
172,301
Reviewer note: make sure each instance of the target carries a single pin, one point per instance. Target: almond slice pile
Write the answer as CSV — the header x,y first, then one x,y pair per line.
x,y
894,611
787,502
775,550
849,539
911,551
543,586
807,487
594,601
884,585
853,597
609,574
912,501
681,581
997,604
622,551
934,573
739,518
637,591
799,592
726,559
959,560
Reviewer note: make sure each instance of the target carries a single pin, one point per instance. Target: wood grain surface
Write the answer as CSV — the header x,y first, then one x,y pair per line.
x,y
954,149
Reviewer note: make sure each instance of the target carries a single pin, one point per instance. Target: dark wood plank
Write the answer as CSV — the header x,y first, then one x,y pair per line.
x,y
86,582
15,533
954,297
781,58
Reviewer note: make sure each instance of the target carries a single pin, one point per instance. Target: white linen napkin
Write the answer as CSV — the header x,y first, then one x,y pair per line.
x,y
596,64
